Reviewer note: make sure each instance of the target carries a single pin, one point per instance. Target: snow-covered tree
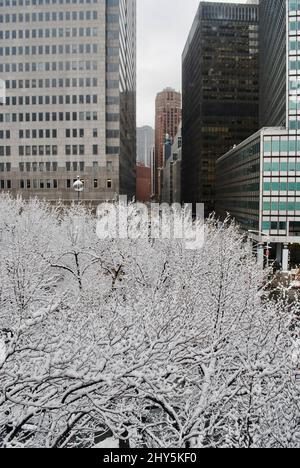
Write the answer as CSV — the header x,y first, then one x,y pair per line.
x,y
143,339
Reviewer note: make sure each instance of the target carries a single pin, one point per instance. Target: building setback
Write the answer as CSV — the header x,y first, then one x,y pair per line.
x,y
258,182
220,92
167,120
69,69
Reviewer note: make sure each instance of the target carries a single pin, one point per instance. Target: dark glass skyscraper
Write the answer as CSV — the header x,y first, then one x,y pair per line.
x,y
220,92
272,28
127,83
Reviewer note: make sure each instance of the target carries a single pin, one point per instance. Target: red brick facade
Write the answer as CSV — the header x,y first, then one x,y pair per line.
x,y
143,183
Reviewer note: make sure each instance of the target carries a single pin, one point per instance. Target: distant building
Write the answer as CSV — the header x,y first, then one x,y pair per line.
x,y
143,183
152,166
220,92
167,120
171,192
145,142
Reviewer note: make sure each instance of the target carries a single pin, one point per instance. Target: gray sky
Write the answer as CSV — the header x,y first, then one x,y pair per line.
x,y
163,27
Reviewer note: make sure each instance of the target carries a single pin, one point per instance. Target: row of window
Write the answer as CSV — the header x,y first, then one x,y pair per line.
x,y
41,150
51,100
54,100
294,65
281,146
74,65
74,166
4,134
294,24
41,133
70,150
51,150
294,104
294,84
274,226
21,34
52,83
108,183
78,149
38,167
50,49
83,15
282,186
281,206
52,166
294,5
294,44
230,12
284,166
15,3
5,184
294,124
49,33
54,117
5,167
47,133
41,184
38,150
5,151
79,133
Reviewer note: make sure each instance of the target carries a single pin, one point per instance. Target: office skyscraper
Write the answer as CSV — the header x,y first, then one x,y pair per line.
x,y
258,182
167,120
69,67
220,92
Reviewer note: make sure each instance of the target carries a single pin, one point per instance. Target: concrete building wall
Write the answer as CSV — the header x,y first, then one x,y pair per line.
x,y
65,91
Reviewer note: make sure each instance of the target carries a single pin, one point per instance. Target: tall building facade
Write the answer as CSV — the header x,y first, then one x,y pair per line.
x,y
167,120
272,27
220,74
258,182
69,68
145,142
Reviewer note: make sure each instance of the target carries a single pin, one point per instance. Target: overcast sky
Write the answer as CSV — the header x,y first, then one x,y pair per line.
x,y
163,27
